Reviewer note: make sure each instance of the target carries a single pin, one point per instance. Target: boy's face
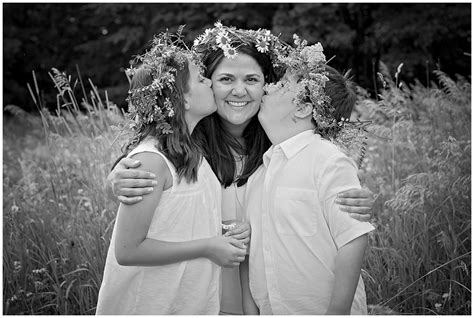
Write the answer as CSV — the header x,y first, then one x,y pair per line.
x,y
279,103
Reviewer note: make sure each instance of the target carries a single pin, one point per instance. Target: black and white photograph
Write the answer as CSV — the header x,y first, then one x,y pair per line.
x,y
236,158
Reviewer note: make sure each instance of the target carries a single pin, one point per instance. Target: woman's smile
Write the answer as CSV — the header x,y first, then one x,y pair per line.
x,y
238,104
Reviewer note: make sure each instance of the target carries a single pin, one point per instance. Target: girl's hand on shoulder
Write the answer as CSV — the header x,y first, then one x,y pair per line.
x,y
241,231
357,202
225,251
129,184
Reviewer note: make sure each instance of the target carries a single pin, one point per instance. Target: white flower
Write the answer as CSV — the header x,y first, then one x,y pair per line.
x,y
229,51
222,39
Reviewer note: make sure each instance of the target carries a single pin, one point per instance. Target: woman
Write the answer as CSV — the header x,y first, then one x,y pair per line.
x,y
232,138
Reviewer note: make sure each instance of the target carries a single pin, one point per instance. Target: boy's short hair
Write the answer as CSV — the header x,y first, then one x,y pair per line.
x,y
340,89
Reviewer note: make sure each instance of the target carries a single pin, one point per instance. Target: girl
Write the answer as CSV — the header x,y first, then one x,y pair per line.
x,y
166,251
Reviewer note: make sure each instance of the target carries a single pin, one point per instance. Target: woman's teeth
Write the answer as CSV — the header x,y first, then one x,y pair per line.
x,y
237,104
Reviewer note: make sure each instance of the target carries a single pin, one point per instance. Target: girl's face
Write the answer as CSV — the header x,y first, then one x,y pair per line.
x,y
238,89
199,97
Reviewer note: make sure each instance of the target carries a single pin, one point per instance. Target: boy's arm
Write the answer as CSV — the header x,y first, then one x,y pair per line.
x,y
248,304
348,265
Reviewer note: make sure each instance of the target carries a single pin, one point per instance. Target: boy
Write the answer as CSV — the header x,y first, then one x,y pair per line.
x,y
305,255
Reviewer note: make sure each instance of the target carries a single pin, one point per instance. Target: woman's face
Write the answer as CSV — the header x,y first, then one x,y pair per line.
x,y
238,89
199,97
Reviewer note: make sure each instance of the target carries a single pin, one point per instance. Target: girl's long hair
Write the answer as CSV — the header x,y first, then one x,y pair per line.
x,y
218,144
178,146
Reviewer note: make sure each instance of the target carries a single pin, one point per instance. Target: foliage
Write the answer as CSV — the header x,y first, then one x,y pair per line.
x,y
420,256
102,37
57,217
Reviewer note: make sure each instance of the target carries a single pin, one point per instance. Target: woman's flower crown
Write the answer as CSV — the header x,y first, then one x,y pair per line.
x,y
167,49
229,39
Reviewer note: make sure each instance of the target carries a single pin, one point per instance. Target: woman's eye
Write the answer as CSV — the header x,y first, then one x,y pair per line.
x,y
225,79
253,80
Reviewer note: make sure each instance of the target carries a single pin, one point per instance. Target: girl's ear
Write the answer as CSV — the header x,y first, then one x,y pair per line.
x,y
187,106
304,110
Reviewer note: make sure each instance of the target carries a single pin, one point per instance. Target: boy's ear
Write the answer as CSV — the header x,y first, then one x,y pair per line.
x,y
304,110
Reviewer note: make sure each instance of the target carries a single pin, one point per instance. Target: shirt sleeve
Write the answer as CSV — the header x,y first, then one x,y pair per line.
x,y
340,175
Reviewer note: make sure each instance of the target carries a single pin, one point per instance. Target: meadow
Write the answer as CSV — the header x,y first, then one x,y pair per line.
x,y
58,218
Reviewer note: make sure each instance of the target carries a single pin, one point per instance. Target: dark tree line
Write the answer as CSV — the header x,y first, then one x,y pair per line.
x,y
101,38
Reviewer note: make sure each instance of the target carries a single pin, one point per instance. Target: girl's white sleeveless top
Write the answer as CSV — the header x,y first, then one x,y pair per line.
x,y
186,211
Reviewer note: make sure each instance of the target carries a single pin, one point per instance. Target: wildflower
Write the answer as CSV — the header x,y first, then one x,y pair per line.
x,y
262,45
15,208
229,52
40,271
17,266
438,307
222,39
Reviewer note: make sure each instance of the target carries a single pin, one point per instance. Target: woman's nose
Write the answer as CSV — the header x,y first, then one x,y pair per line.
x,y
239,89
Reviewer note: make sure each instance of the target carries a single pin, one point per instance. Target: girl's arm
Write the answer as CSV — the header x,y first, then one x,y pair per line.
x,y
248,304
129,184
133,248
348,265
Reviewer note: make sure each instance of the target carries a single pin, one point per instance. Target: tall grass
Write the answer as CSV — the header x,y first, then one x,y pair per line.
x,y
420,256
58,217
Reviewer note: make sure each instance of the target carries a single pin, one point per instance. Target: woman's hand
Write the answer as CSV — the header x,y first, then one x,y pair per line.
x,y
241,231
128,184
225,251
357,202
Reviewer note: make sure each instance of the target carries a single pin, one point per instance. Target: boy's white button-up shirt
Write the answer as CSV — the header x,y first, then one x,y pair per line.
x,y
297,228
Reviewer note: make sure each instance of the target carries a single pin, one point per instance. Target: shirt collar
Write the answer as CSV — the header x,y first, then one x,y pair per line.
x,y
291,146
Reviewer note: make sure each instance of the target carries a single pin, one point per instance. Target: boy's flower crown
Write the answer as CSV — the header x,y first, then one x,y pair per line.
x,y
143,108
308,64
229,39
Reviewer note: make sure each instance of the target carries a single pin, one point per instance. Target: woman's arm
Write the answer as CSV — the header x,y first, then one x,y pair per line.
x,y
133,248
357,202
248,304
348,264
129,184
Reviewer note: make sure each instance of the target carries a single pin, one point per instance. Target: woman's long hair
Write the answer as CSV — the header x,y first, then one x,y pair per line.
x,y
177,146
218,144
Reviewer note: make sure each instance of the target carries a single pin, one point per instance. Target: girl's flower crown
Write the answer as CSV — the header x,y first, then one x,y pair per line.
x,y
229,39
167,49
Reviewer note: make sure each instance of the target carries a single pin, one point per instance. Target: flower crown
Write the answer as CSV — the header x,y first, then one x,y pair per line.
x,y
308,63
229,39
167,49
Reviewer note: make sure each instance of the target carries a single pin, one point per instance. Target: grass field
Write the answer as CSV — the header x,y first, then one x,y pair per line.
x,y
57,218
